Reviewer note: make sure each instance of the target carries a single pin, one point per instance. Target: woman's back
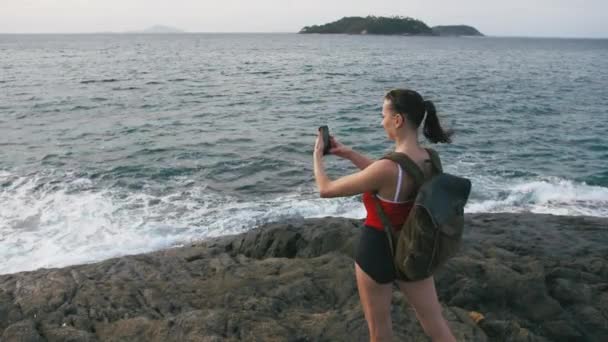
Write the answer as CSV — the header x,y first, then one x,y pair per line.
x,y
397,191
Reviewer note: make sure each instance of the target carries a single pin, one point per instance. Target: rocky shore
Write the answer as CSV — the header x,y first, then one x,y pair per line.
x,y
533,277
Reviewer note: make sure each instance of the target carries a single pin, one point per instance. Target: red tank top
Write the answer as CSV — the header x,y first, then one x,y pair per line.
x,y
396,212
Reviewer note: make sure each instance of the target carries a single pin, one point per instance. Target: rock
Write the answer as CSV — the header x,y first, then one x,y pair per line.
x,y
43,291
66,333
533,277
8,312
567,291
23,331
592,321
134,329
499,330
562,331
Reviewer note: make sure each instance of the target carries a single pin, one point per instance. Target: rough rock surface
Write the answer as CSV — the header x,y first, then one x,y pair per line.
x,y
533,277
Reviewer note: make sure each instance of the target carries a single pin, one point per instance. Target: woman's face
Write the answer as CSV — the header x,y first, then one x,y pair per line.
x,y
390,120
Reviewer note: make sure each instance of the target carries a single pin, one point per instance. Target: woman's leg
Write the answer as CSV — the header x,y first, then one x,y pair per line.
x,y
422,295
376,302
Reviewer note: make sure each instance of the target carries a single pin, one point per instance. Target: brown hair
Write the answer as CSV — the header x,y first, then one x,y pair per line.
x,y
412,107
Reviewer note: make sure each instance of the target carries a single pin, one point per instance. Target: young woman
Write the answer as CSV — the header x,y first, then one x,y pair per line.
x,y
403,111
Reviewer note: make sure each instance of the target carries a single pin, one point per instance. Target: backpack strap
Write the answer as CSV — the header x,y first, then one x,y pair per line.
x,y
388,227
408,165
411,168
435,160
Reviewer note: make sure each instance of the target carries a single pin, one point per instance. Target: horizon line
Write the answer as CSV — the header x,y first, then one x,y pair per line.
x,y
264,32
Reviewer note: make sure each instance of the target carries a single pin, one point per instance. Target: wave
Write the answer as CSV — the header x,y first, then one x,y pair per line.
x,y
81,107
54,221
200,94
263,72
234,141
107,80
51,223
549,195
42,105
501,188
125,88
310,101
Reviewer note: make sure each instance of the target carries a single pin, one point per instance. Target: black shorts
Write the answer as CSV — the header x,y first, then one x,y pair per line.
x,y
374,256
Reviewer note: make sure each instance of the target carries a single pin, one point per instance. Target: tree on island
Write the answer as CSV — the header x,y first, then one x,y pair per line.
x,y
372,25
456,30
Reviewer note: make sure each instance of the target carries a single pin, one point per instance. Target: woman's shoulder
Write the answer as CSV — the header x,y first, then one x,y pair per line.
x,y
383,169
383,166
420,155
383,163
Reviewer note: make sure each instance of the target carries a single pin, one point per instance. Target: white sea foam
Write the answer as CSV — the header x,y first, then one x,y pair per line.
x,y
70,223
548,195
516,192
48,224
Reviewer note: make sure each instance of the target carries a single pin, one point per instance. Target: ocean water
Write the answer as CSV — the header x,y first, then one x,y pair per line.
x,y
120,144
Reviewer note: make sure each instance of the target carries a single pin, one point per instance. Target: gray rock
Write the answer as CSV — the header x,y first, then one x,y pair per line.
x,y
23,331
534,277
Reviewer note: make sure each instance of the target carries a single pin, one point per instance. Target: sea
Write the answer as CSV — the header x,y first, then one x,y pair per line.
x,y
116,144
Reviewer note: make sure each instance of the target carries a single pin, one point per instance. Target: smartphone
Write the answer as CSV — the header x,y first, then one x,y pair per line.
x,y
325,134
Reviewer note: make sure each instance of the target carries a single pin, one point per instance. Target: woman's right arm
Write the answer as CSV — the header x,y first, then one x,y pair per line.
x,y
342,151
358,159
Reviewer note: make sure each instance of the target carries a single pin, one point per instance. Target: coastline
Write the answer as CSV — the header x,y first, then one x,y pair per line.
x,y
534,277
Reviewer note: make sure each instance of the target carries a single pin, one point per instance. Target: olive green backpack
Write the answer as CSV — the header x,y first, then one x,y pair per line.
x,y
432,233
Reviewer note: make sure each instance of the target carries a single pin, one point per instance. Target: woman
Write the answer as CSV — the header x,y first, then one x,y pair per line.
x,y
403,111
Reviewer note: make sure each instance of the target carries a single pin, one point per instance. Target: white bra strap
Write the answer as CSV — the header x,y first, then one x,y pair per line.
x,y
399,180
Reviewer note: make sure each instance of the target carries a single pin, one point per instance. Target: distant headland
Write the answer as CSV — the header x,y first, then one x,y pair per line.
x,y
158,29
390,26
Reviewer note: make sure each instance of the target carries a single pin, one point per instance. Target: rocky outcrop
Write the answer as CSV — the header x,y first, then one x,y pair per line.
x,y
533,277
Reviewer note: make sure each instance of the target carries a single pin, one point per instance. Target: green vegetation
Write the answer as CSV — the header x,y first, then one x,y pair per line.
x,y
372,25
456,30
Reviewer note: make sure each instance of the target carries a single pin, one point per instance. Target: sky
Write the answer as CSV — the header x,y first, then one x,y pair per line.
x,y
535,18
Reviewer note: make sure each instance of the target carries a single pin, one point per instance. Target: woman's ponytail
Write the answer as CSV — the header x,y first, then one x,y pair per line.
x,y
432,128
412,106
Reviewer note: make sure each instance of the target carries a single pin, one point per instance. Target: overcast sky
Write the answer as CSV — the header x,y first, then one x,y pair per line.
x,y
556,18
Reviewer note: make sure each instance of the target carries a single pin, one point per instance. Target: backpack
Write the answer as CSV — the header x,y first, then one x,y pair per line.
x,y
432,233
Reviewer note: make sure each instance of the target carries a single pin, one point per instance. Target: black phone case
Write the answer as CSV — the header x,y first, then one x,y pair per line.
x,y
325,134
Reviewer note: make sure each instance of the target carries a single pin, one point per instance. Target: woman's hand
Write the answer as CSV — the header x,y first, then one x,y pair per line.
x,y
319,146
337,148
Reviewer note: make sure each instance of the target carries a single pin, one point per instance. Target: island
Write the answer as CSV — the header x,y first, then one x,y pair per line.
x,y
456,30
373,25
405,26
